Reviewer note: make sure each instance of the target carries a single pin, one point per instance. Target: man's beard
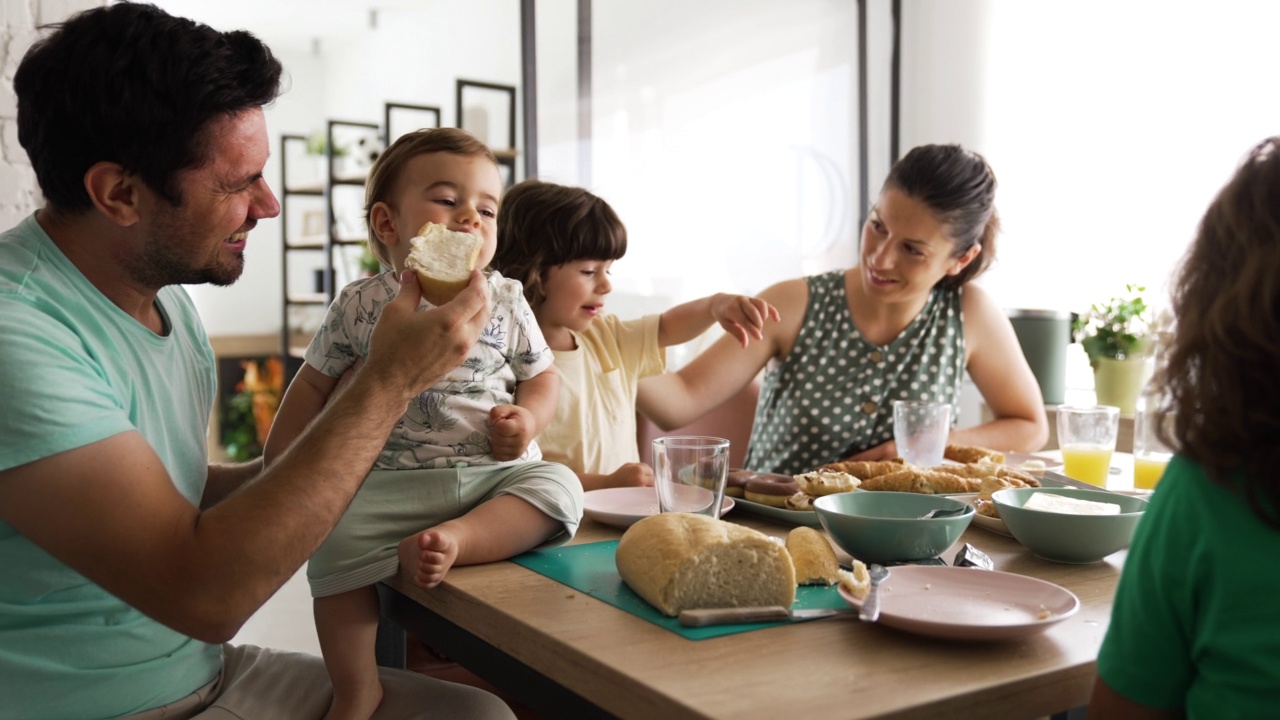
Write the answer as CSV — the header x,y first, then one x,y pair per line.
x,y
166,258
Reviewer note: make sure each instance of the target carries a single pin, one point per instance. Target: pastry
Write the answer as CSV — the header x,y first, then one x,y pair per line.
x,y
863,469
771,489
827,482
972,454
922,480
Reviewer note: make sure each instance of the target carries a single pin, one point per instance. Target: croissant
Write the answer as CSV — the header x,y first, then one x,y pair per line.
x,y
922,480
863,469
972,454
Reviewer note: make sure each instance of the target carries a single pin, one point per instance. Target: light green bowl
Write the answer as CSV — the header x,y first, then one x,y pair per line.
x,y
884,527
1067,538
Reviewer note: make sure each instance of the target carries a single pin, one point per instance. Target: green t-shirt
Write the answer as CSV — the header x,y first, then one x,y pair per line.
x,y
1196,621
75,369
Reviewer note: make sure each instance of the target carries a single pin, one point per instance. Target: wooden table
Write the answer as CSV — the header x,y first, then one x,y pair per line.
x,y
569,655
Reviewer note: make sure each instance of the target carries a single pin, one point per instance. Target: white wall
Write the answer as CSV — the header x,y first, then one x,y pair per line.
x,y
19,20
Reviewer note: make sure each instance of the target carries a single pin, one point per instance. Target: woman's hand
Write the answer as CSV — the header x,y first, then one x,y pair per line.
x,y
883,451
742,317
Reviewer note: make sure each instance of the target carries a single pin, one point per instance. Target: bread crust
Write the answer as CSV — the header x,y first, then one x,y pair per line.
x,y
813,557
438,286
679,561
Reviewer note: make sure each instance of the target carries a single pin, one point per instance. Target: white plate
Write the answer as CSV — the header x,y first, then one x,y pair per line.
x,y
622,507
969,604
791,517
995,525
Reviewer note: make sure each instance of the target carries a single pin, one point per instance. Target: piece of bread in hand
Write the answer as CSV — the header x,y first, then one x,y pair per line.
x,y
681,561
813,557
443,260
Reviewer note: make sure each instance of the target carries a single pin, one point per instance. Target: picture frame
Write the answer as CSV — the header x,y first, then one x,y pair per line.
x,y
488,111
313,223
402,118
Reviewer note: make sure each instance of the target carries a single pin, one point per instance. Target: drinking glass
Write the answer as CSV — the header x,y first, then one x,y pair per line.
x,y
920,430
690,472
1087,436
1150,455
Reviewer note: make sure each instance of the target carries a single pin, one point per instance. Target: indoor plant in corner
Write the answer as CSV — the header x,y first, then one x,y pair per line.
x,y
1116,337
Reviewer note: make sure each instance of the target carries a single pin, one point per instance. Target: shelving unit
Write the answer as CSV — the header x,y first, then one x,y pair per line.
x,y
296,242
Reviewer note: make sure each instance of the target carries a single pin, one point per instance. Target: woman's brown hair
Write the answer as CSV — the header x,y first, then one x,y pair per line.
x,y
1222,372
960,188
543,225
386,169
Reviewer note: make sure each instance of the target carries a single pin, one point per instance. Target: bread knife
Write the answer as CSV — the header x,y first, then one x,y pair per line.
x,y
703,617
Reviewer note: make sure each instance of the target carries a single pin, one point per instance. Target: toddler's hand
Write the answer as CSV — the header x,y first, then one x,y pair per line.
x,y
636,474
742,316
511,429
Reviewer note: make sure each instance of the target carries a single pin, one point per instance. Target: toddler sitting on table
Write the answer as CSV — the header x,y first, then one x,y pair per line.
x,y
460,481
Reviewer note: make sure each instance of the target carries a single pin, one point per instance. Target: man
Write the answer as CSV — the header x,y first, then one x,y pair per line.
x,y
127,559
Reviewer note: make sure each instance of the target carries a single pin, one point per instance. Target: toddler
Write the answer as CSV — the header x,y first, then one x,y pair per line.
x,y
561,243
462,462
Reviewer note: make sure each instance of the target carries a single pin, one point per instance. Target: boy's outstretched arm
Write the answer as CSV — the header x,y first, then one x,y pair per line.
x,y
302,403
636,474
741,316
513,427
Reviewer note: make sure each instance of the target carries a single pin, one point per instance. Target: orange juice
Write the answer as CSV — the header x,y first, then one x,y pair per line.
x,y
1147,470
1089,463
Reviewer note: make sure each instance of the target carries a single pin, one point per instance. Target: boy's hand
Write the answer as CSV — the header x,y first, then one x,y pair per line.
x,y
511,429
636,474
742,316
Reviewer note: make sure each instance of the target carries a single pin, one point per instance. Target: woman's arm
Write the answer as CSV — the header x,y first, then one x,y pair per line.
x,y
302,403
741,316
1000,372
676,399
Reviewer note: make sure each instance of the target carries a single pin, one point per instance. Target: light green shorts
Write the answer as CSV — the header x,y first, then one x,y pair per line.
x,y
391,505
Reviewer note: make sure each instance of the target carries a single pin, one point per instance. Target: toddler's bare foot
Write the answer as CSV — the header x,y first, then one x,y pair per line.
x,y
428,555
355,702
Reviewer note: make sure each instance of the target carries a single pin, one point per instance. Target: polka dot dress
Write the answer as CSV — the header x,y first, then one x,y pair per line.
x,y
833,396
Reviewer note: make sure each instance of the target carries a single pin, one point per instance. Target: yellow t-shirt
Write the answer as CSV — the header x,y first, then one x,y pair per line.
x,y
594,426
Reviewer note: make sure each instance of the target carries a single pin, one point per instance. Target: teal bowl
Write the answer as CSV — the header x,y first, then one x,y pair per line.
x,y
885,527
1068,538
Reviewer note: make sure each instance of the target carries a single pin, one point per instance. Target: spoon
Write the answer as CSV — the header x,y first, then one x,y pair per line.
x,y
870,611
943,513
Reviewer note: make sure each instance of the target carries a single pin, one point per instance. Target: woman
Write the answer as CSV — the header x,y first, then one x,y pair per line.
x,y
1193,629
904,324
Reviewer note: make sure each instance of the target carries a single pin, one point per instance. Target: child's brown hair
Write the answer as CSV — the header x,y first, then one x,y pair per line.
x,y
543,225
1221,371
387,168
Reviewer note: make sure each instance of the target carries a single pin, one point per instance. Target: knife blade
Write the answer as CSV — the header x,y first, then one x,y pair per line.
x,y
703,617
870,610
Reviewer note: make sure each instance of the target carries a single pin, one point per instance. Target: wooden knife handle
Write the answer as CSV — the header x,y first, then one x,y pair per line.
x,y
730,616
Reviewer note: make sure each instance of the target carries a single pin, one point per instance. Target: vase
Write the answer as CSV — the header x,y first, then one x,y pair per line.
x,y
1120,382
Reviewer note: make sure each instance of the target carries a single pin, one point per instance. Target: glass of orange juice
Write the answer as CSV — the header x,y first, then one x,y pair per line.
x,y
1150,454
1087,437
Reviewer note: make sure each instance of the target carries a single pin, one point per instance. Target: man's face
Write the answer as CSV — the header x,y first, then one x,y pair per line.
x,y
202,240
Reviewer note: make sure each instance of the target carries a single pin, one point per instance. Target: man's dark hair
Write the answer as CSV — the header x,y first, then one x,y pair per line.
x,y
131,84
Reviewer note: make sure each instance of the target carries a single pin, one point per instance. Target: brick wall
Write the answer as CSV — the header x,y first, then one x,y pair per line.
x,y
19,20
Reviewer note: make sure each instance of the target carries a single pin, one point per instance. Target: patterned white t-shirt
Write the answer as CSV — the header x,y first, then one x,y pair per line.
x,y
447,424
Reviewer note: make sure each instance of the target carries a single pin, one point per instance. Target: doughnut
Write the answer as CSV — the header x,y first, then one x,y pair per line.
x,y
736,480
770,489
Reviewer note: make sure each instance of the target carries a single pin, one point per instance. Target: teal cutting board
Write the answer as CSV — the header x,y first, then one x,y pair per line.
x,y
590,569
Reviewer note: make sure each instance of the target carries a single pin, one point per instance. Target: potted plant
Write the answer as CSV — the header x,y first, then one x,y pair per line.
x,y
1116,337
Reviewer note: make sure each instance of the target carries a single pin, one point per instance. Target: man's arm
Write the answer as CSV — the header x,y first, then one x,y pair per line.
x,y
110,511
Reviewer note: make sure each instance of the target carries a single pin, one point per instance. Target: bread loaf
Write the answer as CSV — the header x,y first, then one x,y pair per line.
x,y
443,260
813,557
680,561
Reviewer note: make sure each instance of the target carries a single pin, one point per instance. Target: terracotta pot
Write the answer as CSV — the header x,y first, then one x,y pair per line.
x,y
1119,382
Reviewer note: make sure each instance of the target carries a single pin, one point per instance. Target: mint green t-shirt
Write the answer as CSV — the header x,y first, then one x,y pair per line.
x,y
1196,620
75,369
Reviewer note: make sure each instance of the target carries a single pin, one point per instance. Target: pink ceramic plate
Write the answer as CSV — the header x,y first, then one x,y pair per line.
x,y
622,507
969,604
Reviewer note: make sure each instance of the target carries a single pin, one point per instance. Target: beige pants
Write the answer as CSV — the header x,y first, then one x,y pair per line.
x,y
260,684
